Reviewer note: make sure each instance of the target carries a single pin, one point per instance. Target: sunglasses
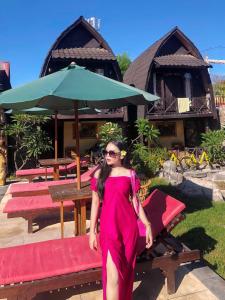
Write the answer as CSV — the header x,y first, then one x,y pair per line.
x,y
111,153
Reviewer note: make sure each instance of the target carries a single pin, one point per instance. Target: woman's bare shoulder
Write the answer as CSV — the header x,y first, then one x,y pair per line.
x,y
96,174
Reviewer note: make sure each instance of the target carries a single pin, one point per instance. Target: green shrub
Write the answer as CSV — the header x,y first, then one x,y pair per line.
x,y
147,161
147,133
212,141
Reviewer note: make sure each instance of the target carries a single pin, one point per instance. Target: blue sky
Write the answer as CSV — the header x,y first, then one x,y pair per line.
x,y
29,28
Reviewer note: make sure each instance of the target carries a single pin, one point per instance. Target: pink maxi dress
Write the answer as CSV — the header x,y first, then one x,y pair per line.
x,y
118,231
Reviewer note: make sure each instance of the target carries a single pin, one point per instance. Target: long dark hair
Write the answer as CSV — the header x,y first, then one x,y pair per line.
x,y
106,169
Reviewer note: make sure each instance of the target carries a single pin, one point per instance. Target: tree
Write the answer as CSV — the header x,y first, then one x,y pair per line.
x,y
29,137
124,61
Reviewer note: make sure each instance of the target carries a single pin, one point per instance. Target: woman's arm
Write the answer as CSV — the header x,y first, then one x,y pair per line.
x,y
94,212
145,221
142,216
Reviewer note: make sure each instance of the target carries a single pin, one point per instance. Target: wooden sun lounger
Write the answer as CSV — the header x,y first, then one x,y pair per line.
x,y
70,262
30,174
32,207
41,188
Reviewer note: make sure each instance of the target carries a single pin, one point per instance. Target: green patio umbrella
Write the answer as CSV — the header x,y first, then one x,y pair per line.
x,y
74,87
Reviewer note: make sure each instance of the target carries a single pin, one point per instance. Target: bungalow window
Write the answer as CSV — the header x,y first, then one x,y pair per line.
x,y
167,129
86,130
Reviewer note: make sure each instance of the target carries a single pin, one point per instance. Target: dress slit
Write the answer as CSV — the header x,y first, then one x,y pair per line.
x,y
120,273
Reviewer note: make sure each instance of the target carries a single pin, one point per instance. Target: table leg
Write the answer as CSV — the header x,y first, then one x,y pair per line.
x,y
56,173
75,219
83,217
79,217
62,219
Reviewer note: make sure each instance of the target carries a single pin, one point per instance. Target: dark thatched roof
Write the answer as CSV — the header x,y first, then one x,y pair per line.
x,y
139,71
180,60
83,53
68,37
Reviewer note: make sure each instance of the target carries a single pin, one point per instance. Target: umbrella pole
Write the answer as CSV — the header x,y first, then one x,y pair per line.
x,y
56,134
77,144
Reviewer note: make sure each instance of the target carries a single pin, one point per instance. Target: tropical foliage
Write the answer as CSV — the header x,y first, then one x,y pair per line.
x,y
30,140
124,61
213,142
145,159
110,132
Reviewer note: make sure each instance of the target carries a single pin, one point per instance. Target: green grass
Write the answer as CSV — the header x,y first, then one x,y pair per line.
x,y
203,228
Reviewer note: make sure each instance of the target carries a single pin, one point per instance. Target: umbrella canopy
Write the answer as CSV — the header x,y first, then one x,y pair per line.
x,y
74,87
58,90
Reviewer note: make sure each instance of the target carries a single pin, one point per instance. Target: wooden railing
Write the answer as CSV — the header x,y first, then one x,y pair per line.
x,y
119,110
220,101
166,106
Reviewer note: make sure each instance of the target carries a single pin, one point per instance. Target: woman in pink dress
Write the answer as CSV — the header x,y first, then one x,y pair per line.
x,y
118,223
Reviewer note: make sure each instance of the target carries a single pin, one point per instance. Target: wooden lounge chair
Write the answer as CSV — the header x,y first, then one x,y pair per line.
x,y
41,188
67,262
32,207
34,199
30,174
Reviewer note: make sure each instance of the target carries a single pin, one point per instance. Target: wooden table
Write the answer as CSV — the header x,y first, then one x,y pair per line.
x,y
65,192
55,163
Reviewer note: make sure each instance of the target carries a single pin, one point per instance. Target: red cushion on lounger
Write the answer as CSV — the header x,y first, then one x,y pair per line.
x,y
86,176
47,259
24,204
160,209
37,171
70,167
17,188
42,171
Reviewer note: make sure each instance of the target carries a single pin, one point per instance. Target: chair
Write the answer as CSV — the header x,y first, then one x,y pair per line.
x,y
67,262
30,174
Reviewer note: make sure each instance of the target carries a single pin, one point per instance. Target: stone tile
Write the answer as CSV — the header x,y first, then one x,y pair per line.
x,y
95,295
217,286
186,284
205,295
149,287
209,279
11,241
202,271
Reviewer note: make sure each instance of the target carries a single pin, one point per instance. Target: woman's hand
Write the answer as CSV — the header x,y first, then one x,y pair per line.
x,y
149,237
93,241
